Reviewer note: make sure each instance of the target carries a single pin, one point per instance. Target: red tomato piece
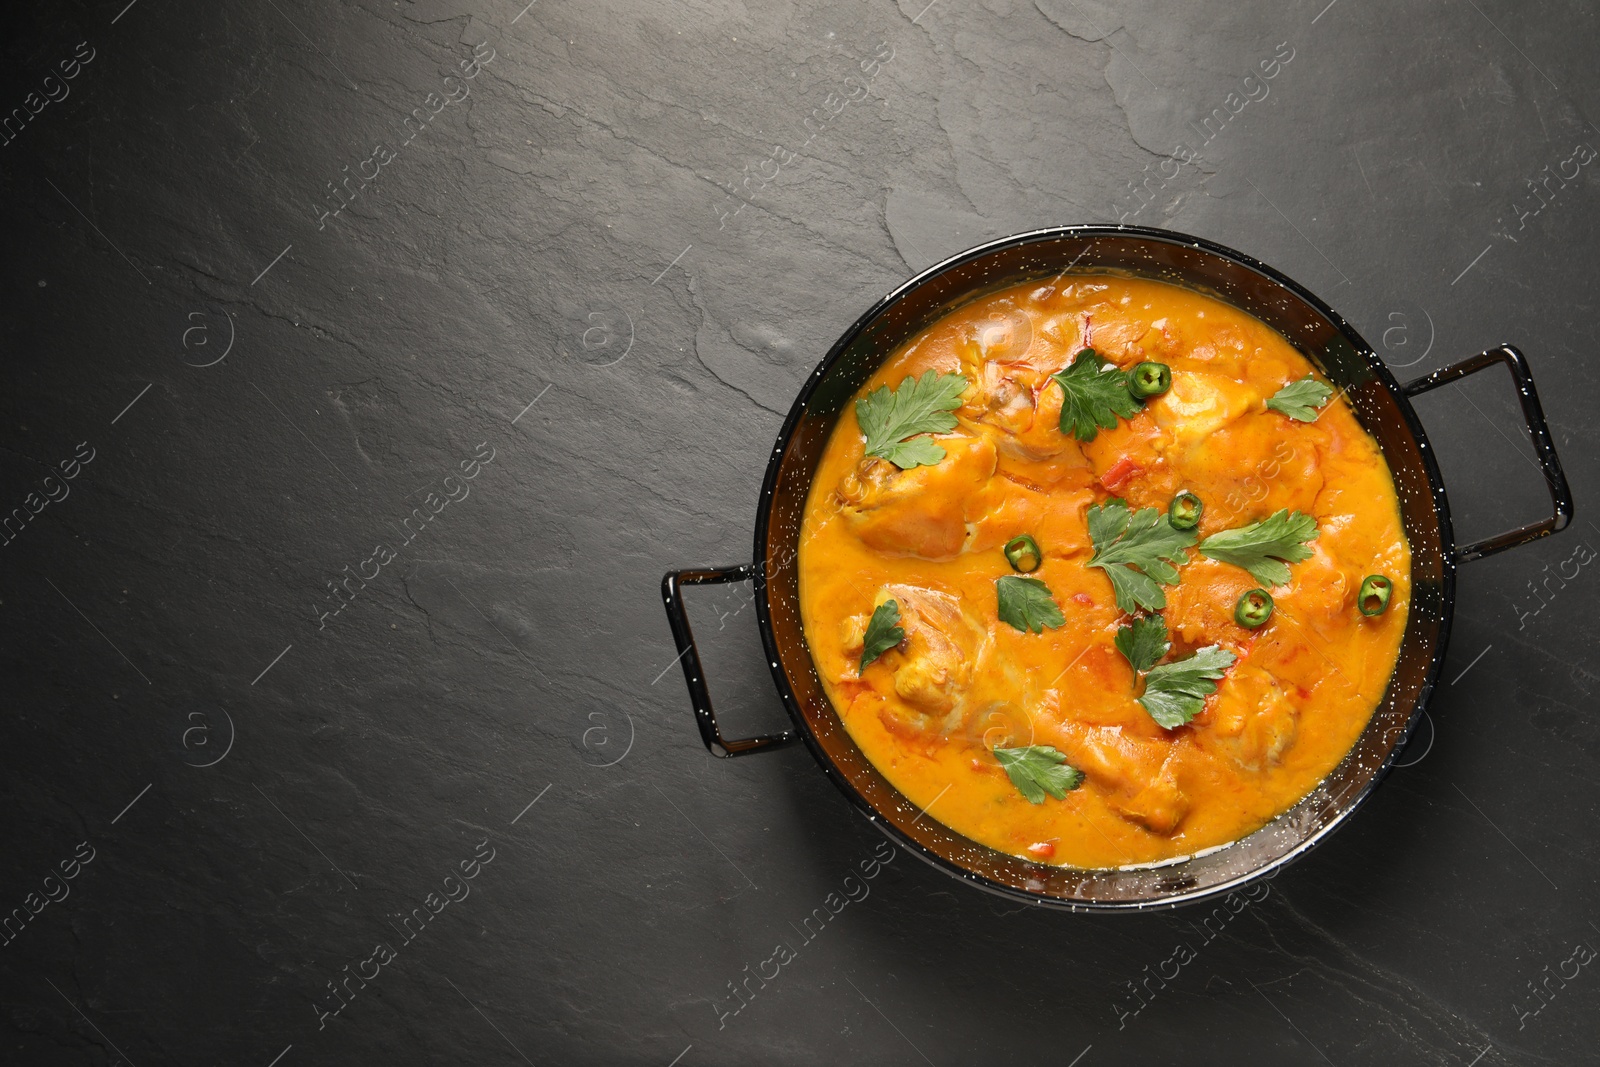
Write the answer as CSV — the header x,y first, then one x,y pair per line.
x,y
1120,473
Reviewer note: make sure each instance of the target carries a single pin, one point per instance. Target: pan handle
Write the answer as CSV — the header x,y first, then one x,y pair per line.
x,y
1538,432
689,655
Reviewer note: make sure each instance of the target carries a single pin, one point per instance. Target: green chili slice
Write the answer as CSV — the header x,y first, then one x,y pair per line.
x,y
1023,554
1185,510
1374,596
1146,380
1253,609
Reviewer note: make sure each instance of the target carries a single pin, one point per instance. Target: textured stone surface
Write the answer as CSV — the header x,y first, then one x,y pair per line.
x,y
597,230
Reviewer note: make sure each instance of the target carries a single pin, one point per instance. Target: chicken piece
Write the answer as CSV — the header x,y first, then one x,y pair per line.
x,y
947,676
1252,721
1165,340
1006,725
1115,336
1001,399
1200,608
1320,590
1010,507
1091,321
1238,350
936,666
1311,623
1313,620
1009,400
1005,336
1160,805
1080,293
1044,456
1198,405
918,512
1011,396
994,708
1139,775
933,666
1062,330
1295,657
1250,468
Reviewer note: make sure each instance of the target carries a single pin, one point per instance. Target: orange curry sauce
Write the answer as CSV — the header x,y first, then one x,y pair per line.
x,y
928,712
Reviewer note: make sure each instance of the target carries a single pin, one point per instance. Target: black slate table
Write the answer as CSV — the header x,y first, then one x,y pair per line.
x,y
367,363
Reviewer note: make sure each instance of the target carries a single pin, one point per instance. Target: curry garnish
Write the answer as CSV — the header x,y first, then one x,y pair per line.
x,y
883,632
1143,642
1185,510
919,406
1174,693
1265,548
1026,604
1138,551
1373,599
1093,394
1022,552
1301,400
1253,609
1037,770
1147,380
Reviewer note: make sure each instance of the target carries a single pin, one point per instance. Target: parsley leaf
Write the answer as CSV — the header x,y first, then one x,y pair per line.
x,y
1143,642
1093,393
883,632
1300,400
920,405
1026,604
1037,770
1174,693
1139,551
1259,547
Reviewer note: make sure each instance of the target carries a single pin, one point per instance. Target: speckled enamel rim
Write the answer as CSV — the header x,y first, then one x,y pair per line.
x,y
1380,373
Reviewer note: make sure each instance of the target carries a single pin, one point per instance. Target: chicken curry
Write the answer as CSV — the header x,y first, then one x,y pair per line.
x,y
1100,572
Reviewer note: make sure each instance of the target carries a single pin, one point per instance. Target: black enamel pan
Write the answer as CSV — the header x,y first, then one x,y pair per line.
x,y
1381,404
